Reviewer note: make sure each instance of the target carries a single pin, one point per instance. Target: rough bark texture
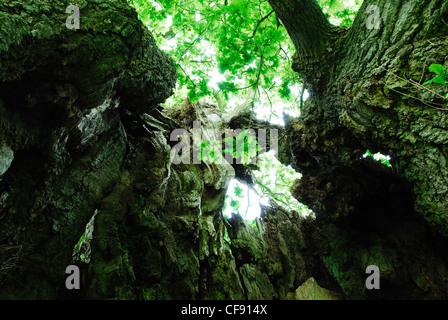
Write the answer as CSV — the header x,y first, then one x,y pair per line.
x,y
306,24
61,117
82,132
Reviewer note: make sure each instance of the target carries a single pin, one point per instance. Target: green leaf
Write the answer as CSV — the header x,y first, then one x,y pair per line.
x,y
235,204
438,69
228,44
238,191
439,80
241,136
284,90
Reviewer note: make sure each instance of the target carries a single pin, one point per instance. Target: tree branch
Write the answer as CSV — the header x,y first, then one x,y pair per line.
x,y
259,22
191,44
306,24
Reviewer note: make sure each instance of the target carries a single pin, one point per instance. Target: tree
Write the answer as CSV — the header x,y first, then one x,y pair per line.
x,y
242,43
358,74
223,50
82,129
367,92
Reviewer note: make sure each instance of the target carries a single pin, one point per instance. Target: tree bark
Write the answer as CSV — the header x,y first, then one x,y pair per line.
x,y
81,132
366,93
306,24
368,87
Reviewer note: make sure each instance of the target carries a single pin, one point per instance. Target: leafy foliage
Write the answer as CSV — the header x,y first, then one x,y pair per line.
x,y
274,180
379,157
243,147
341,13
209,151
441,75
231,50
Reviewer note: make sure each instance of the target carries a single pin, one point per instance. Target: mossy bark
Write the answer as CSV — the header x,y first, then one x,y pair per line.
x,y
366,93
60,115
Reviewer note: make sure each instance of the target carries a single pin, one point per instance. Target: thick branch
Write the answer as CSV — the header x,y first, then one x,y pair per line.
x,y
305,23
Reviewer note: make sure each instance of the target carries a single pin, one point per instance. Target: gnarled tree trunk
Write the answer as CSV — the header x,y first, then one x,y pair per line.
x,y
366,93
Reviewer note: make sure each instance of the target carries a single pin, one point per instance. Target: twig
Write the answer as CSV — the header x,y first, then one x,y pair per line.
x,y
186,74
270,103
256,81
423,73
236,89
191,44
414,83
260,66
421,100
259,22
418,85
248,202
270,193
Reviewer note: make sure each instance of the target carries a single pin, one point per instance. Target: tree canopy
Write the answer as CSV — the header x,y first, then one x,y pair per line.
x,y
229,51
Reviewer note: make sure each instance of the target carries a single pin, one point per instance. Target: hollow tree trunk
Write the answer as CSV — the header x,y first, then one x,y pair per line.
x,y
81,132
